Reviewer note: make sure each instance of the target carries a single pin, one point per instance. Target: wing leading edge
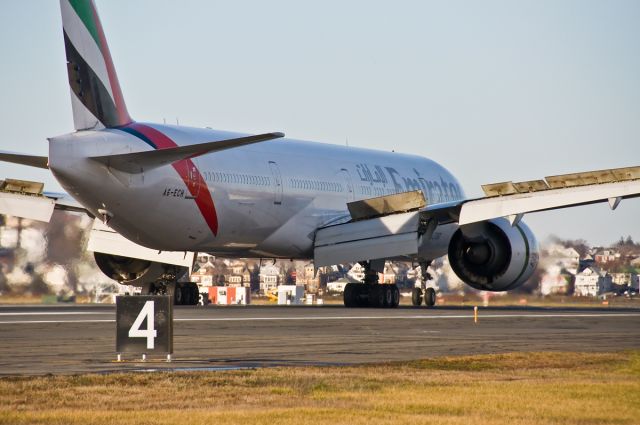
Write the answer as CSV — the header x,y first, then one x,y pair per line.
x,y
513,200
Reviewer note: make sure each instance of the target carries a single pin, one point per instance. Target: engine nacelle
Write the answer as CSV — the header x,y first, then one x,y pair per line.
x,y
493,255
134,271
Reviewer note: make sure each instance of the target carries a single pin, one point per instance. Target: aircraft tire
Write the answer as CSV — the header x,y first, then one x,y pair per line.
x,y
395,296
178,295
349,295
430,297
186,295
387,290
376,296
416,297
194,293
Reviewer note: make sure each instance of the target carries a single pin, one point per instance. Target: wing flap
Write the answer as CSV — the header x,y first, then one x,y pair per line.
x,y
381,237
37,208
26,199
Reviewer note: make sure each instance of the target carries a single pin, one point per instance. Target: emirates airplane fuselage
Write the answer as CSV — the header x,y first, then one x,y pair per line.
x,y
262,200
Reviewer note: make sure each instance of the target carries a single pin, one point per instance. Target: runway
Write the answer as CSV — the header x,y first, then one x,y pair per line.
x,y
74,339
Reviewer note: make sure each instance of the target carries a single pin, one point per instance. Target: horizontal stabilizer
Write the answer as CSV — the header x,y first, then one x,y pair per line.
x,y
22,159
137,162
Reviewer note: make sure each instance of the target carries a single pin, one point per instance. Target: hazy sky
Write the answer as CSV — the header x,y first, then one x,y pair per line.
x,y
493,90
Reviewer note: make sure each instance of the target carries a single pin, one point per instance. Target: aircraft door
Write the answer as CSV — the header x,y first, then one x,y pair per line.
x,y
349,184
277,183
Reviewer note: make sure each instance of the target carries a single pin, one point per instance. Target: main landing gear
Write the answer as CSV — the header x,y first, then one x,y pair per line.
x,y
428,293
184,293
370,293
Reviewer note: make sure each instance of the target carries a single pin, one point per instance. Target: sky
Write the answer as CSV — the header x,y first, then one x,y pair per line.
x,y
493,90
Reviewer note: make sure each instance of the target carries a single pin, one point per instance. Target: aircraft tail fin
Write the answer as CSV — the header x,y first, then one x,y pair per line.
x,y
96,97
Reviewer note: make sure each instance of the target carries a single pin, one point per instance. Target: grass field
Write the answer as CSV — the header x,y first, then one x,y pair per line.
x,y
522,388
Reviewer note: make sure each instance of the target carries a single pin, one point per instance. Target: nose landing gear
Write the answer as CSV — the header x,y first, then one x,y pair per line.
x,y
424,292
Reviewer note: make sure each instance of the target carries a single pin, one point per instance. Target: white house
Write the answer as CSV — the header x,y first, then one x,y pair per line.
x,y
270,278
592,282
337,286
356,272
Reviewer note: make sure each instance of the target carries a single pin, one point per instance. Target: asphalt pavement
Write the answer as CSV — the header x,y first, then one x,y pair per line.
x,y
60,339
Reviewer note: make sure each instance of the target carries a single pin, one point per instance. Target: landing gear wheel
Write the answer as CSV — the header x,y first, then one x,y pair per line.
x,y
376,296
387,290
349,295
178,295
186,295
416,296
195,293
430,297
395,296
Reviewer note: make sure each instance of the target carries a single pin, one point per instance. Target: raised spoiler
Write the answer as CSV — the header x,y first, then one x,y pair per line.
x,y
402,225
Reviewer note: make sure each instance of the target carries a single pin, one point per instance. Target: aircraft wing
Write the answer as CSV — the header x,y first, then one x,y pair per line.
x,y
402,225
513,200
26,199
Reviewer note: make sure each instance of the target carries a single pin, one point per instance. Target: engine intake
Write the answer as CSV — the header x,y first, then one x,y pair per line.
x,y
493,255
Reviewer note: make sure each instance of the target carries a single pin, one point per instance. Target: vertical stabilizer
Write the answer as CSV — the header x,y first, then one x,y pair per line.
x,y
96,97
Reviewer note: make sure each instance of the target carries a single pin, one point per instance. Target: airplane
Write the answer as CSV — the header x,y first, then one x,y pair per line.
x,y
161,193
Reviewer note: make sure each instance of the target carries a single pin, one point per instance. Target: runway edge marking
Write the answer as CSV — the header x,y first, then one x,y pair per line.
x,y
281,318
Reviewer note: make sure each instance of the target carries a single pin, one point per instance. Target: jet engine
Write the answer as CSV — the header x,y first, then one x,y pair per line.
x,y
493,255
134,271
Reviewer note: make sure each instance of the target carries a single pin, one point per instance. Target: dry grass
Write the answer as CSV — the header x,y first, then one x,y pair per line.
x,y
524,388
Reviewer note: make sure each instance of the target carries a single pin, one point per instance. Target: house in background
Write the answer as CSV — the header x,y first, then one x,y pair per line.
x,y
604,256
622,282
592,282
270,277
238,274
204,275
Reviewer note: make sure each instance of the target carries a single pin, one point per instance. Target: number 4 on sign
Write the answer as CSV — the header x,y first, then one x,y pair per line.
x,y
150,333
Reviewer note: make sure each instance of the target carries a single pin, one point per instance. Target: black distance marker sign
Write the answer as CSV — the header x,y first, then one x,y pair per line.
x,y
144,324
